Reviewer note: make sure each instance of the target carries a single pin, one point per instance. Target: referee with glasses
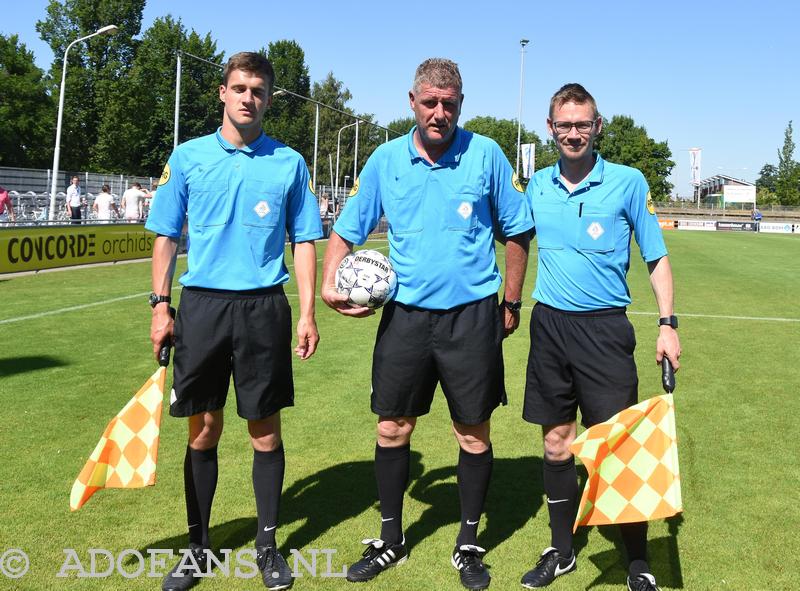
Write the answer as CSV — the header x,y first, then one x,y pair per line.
x,y
585,211
243,193
442,190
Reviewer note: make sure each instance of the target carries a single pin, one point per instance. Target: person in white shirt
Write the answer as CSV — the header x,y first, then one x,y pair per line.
x,y
104,204
133,202
74,193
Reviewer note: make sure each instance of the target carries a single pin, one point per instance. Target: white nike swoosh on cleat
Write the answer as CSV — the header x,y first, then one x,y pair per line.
x,y
549,502
560,571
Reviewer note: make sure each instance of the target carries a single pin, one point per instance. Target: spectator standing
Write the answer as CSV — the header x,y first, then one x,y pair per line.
x,y
74,200
133,202
104,204
6,207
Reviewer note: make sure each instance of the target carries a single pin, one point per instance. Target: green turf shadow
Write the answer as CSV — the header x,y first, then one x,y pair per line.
x,y
17,365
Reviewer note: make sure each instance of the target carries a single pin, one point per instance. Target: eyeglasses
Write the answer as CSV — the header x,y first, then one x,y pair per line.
x,y
566,126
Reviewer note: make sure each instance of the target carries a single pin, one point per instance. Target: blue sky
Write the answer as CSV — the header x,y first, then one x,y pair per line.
x,y
722,76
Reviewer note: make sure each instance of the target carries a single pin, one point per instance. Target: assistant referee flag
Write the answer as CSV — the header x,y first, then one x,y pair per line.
x,y
632,461
126,454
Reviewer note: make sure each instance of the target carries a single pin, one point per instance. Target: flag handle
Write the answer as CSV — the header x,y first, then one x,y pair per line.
x,y
667,375
163,353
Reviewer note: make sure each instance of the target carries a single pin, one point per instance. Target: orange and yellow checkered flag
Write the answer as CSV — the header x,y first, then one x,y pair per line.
x,y
632,461
127,452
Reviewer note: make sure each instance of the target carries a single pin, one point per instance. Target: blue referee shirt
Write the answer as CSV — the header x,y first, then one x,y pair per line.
x,y
241,204
441,217
584,237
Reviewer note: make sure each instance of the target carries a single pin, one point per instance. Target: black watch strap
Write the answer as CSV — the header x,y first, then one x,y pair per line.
x,y
513,305
156,299
669,321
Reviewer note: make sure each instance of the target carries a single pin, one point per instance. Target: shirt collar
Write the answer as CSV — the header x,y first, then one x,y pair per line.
x,y
595,176
451,156
249,148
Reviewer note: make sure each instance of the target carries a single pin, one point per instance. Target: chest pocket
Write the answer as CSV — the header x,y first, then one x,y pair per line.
x,y
596,232
209,203
462,212
404,206
261,204
549,225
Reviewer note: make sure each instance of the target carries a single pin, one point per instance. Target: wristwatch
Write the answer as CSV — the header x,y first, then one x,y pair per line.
x,y
155,299
513,305
669,321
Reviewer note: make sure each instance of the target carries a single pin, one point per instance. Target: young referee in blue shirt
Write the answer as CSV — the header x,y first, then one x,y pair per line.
x,y
585,211
442,190
243,193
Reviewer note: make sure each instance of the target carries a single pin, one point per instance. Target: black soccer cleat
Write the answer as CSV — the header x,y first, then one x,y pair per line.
x,y
275,573
642,582
550,566
377,557
467,561
184,575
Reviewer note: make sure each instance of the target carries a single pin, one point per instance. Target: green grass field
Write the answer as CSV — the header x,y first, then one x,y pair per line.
x,y
75,348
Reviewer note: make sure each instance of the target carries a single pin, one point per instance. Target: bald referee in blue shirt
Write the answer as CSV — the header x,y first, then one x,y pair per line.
x,y
442,190
243,193
585,211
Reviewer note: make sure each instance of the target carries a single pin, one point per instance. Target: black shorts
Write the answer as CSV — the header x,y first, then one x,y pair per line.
x,y
460,348
222,332
579,359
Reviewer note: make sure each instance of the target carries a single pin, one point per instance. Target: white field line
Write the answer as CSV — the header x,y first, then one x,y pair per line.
x,y
104,302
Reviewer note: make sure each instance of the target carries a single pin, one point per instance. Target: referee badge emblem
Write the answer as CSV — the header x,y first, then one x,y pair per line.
x,y
465,209
595,230
261,209
164,175
311,187
517,184
650,207
354,190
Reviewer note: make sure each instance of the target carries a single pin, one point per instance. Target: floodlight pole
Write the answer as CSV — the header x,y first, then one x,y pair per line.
x,y
522,44
177,102
338,142
107,30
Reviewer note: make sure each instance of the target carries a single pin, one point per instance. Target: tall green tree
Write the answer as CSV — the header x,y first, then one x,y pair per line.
x,y
26,108
136,132
95,67
787,180
766,177
504,132
288,120
402,125
624,142
332,92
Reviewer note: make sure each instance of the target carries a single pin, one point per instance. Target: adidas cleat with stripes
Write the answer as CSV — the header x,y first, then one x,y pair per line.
x,y
377,557
467,561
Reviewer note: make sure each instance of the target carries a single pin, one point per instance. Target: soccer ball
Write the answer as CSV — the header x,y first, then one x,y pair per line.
x,y
367,278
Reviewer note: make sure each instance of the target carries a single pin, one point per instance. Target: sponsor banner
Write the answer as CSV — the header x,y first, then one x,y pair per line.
x,y
31,248
667,224
736,226
697,225
778,227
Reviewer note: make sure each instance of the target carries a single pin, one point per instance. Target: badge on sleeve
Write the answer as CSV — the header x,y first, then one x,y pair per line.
x,y
311,187
517,184
354,190
164,175
650,207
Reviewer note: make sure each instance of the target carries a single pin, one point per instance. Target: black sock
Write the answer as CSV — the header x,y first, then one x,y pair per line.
x,y
391,473
268,469
200,471
634,536
561,489
473,474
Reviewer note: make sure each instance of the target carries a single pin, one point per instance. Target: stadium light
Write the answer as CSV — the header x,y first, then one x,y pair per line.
x,y
522,44
107,30
338,141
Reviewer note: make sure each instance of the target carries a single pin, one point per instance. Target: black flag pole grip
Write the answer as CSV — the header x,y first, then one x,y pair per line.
x,y
163,353
667,375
